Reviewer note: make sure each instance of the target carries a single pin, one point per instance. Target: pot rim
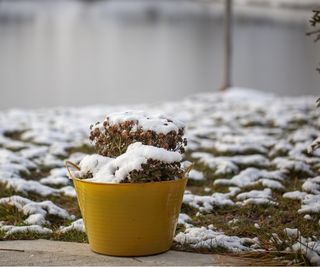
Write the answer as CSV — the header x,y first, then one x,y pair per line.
x,y
128,184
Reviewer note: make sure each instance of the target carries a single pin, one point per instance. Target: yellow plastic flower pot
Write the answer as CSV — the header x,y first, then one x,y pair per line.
x,y
130,219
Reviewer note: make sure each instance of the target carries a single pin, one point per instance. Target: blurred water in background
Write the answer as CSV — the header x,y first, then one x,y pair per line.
x,y
55,53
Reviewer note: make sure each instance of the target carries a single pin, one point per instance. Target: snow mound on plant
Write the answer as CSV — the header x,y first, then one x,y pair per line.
x,y
92,164
144,120
116,170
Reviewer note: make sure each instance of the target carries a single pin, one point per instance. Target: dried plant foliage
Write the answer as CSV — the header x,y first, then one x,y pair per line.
x,y
315,22
155,171
316,143
113,140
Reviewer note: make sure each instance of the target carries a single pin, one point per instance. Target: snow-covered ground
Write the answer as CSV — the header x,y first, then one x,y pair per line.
x,y
252,144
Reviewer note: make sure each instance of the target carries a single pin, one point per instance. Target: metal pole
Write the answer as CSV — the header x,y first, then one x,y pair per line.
x,y
227,79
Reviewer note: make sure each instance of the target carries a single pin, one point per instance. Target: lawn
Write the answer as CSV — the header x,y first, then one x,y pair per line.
x,y
254,188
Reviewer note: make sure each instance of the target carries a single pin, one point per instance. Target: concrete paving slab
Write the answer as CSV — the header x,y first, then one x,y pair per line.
x,y
53,253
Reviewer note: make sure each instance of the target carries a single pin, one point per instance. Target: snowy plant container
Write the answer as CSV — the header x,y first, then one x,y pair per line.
x,y
124,212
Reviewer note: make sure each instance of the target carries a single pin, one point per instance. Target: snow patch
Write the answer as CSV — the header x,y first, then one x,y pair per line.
x,y
296,195
10,229
202,238
310,204
77,225
196,175
207,203
37,211
253,176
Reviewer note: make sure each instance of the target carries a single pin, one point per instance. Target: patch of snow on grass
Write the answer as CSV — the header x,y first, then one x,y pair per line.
x,y
196,175
257,197
207,203
259,201
310,204
26,186
68,191
311,249
10,229
230,165
202,238
297,195
185,219
312,185
287,164
266,193
77,225
251,177
58,176
272,184
37,211
239,148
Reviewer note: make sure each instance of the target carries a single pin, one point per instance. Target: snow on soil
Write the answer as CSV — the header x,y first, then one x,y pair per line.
x,y
238,139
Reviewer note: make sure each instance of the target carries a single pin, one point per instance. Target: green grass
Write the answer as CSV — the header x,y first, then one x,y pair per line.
x,y
5,191
11,215
271,219
70,236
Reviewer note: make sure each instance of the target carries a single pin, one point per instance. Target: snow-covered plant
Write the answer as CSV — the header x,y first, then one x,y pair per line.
x,y
316,143
113,136
135,147
315,23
